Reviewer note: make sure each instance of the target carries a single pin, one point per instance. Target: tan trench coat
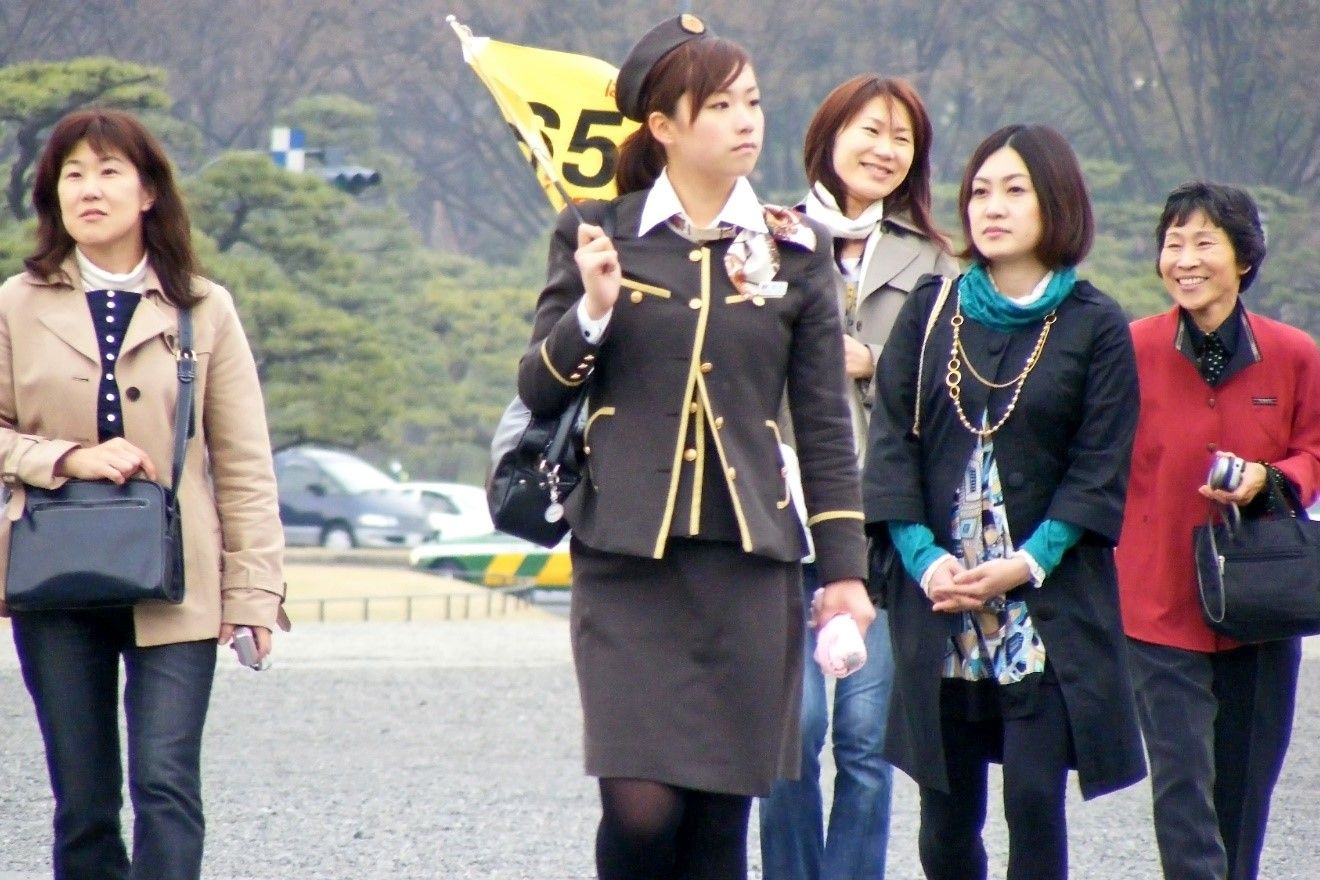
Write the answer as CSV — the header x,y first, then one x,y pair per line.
x,y
49,377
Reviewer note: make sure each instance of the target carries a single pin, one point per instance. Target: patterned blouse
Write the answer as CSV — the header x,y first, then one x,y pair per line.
x,y
112,310
1000,644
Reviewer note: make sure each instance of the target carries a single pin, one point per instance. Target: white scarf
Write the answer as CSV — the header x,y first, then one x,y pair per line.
x,y
822,206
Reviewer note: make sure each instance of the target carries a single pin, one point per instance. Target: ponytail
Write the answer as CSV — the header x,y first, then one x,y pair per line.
x,y
641,159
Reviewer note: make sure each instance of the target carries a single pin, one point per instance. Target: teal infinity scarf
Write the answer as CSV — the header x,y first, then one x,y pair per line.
x,y
982,303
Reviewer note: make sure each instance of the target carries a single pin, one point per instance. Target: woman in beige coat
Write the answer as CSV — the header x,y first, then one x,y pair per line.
x,y
88,385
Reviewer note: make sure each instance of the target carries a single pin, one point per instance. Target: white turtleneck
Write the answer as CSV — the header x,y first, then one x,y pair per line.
x,y
96,278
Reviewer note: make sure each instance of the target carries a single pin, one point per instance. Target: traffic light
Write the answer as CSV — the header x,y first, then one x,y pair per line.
x,y
288,150
351,179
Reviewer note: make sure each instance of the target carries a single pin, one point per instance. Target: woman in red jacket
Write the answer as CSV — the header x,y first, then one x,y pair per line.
x,y
1215,380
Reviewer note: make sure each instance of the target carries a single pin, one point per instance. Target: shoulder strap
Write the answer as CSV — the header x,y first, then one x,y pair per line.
x,y
931,321
187,362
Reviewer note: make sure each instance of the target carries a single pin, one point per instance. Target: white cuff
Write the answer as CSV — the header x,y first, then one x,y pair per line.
x,y
1037,573
929,574
592,330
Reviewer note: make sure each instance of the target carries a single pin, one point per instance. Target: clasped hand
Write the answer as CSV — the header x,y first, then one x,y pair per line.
x,y
598,264
954,589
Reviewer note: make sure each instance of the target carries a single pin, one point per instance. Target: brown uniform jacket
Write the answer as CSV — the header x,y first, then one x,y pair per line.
x,y
49,372
689,369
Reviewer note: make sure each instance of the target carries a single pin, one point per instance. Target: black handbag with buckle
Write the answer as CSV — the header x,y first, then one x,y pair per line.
x,y
94,544
531,480
1259,579
535,473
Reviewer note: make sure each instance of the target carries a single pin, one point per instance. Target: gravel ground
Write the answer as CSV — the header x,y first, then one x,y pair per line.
x,y
430,750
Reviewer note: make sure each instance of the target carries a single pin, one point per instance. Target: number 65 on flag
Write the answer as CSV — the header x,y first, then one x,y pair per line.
x,y
561,108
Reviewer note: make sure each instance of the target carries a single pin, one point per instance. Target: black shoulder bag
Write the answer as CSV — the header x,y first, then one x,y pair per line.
x,y
534,474
93,544
1259,579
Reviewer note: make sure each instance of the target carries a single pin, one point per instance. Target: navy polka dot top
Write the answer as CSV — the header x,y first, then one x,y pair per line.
x,y
111,312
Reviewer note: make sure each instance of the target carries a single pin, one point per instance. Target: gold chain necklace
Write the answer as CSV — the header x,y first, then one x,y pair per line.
x,y
958,357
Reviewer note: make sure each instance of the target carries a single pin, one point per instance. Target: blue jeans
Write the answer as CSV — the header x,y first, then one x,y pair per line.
x,y
794,845
70,664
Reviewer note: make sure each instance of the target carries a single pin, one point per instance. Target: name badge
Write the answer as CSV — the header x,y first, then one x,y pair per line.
x,y
769,290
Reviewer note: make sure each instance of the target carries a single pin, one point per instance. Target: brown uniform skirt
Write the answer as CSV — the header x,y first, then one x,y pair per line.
x,y
690,666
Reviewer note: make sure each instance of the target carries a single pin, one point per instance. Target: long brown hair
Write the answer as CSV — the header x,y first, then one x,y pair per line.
x,y
839,108
698,69
165,229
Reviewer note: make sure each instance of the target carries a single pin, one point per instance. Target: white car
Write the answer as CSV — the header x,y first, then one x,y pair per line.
x,y
496,560
454,510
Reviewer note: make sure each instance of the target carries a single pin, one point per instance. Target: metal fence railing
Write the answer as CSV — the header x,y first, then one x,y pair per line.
x,y
423,606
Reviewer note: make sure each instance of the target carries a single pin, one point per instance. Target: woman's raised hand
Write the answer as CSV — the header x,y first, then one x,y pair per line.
x,y
598,264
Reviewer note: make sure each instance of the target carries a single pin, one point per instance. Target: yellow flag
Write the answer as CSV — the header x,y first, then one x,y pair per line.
x,y
560,106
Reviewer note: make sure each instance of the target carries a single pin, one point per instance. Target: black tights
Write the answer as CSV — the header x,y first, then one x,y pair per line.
x,y
653,831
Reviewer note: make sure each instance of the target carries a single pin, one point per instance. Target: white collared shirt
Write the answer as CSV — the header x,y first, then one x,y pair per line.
x,y
743,210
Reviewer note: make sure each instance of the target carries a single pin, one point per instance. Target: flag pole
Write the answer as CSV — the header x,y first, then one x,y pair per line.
x,y
530,138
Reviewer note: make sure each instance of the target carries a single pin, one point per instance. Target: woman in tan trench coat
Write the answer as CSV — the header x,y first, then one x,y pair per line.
x,y
88,385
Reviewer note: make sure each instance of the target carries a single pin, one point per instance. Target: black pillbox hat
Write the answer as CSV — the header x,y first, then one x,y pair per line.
x,y
659,41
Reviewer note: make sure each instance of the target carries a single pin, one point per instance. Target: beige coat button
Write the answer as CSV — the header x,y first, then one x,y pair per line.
x,y
719,422
635,296
707,367
695,256
588,357
758,300
586,450
692,407
732,473
689,455
575,376
694,303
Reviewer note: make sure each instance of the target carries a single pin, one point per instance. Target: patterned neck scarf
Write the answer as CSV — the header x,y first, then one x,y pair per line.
x,y
1212,358
699,235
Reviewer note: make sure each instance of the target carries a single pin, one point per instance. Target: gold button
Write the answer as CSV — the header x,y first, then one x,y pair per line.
x,y
636,296
707,367
758,300
689,455
694,303
693,407
588,357
695,256
719,422
732,473
575,375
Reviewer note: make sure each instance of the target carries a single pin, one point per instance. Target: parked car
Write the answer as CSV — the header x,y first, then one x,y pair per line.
x,y
455,510
337,500
496,560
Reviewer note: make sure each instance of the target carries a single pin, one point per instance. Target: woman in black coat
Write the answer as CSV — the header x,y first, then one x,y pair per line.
x,y
1001,488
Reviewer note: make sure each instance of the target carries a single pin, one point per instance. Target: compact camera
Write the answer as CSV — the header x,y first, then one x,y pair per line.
x,y
1226,473
245,645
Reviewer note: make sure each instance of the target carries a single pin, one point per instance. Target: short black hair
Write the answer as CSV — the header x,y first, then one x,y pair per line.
x,y
1231,209
1067,227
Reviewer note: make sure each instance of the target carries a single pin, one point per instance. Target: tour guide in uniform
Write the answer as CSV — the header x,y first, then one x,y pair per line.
x,y
688,318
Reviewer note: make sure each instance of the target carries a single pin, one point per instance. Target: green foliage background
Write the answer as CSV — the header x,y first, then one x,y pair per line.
x,y
367,338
